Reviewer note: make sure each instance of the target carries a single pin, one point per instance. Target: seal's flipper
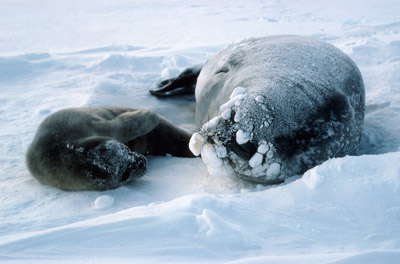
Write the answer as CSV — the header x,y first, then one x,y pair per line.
x,y
128,124
166,138
184,83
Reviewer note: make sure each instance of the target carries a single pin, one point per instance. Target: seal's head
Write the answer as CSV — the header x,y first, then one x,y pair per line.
x,y
113,164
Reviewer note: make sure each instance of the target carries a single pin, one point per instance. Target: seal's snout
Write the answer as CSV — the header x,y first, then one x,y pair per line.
x,y
231,142
136,168
115,164
126,175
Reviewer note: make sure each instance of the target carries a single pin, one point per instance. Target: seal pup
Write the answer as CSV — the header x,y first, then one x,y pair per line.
x,y
101,148
273,107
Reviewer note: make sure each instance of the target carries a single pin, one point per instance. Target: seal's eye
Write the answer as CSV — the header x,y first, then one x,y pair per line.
x,y
223,69
245,151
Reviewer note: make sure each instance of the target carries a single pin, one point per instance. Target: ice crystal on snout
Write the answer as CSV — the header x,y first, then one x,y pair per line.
x,y
116,161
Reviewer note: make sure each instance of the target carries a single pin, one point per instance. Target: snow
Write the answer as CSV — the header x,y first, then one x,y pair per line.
x,y
59,54
103,201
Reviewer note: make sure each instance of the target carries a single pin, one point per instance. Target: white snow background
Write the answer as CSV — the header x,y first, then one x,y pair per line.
x,y
58,54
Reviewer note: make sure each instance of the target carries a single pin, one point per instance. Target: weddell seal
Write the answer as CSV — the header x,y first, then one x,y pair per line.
x,y
101,148
273,107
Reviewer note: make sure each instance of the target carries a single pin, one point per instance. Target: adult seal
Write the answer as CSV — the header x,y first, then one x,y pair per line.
x,y
273,107
102,147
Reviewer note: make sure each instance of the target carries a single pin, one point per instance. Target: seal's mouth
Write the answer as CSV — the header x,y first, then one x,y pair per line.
x,y
125,175
245,151
136,168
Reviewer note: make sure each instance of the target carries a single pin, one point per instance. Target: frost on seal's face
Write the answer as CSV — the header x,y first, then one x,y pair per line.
x,y
113,164
228,143
110,164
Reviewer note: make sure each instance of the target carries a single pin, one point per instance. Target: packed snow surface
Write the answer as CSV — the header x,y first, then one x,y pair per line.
x,y
59,54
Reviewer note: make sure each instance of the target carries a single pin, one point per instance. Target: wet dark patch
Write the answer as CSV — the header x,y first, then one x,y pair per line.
x,y
333,112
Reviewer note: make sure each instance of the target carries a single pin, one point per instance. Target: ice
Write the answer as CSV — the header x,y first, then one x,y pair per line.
x,y
103,202
237,91
221,151
270,154
196,143
242,136
259,170
233,101
213,123
260,99
262,148
238,116
215,165
210,156
226,114
256,160
273,170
